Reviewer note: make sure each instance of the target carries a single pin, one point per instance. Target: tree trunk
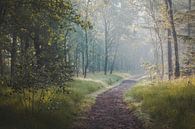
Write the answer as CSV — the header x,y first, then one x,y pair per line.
x,y
83,61
174,34
162,53
1,63
189,25
170,68
98,62
93,56
86,53
86,42
77,61
27,61
115,55
106,47
37,49
2,11
106,62
112,65
188,68
65,47
13,59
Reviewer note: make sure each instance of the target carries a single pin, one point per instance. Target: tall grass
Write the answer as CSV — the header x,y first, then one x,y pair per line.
x,y
165,105
54,108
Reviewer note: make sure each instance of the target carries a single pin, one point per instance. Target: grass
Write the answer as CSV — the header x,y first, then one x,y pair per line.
x,y
109,79
165,105
54,108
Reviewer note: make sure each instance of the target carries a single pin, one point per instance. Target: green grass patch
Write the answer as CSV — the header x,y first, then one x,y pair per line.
x,y
164,105
51,107
54,108
109,79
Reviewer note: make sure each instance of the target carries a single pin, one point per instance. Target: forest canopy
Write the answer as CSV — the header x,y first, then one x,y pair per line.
x,y
48,42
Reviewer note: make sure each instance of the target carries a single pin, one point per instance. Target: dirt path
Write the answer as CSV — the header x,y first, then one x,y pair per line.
x,y
110,112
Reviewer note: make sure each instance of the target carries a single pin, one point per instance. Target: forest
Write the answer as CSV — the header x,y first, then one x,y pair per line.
x,y
97,64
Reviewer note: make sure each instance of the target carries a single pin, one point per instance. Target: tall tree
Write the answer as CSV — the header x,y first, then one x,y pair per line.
x,y
174,34
106,44
170,67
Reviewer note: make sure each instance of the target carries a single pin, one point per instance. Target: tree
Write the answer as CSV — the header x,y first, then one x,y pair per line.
x,y
170,69
29,37
174,34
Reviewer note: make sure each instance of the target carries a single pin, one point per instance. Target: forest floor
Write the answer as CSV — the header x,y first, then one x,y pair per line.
x,y
110,111
54,108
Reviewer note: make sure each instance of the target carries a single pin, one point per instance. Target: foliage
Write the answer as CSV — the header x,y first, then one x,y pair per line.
x,y
185,20
33,35
152,70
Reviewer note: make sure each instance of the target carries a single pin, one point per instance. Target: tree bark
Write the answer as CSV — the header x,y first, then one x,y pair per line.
x,y
83,61
170,68
113,62
189,25
86,54
65,46
77,61
98,63
86,42
13,58
93,56
1,63
106,46
115,55
27,62
37,49
162,53
2,11
174,34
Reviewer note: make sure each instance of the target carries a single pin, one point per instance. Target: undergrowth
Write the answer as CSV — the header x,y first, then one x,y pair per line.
x,y
54,108
50,107
164,105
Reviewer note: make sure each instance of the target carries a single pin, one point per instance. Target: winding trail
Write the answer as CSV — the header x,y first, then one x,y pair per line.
x,y
110,112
